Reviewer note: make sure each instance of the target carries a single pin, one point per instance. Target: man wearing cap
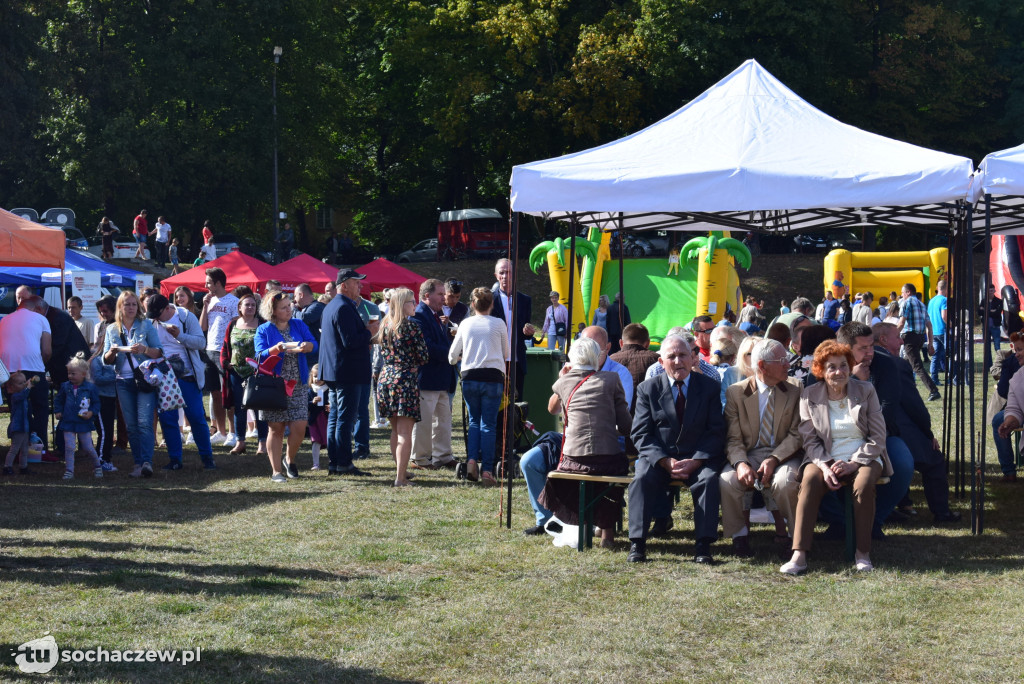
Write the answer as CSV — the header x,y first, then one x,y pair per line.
x,y
345,367
182,340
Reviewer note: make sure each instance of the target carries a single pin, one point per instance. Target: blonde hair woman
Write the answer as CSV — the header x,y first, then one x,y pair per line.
x,y
131,340
404,350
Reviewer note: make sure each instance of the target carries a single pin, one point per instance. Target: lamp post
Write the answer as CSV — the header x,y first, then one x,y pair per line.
x,y
277,58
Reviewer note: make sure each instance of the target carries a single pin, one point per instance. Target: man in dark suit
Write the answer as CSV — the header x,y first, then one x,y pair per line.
x,y
345,367
432,434
520,329
618,319
915,424
691,449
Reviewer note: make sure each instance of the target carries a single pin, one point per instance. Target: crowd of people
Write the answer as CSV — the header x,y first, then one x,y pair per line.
x,y
793,418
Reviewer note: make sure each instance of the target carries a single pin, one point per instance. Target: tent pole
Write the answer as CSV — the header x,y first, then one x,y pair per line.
x,y
574,226
622,279
978,518
508,445
969,372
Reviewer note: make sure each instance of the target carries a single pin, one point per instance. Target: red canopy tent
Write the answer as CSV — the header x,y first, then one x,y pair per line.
x,y
239,268
306,269
381,274
25,243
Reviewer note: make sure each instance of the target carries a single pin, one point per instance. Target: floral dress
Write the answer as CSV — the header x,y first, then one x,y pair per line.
x,y
403,351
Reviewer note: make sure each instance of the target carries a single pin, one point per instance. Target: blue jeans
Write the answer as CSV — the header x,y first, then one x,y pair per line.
x,y
938,358
237,391
887,495
535,471
341,422
139,409
1004,447
482,402
994,333
361,430
196,418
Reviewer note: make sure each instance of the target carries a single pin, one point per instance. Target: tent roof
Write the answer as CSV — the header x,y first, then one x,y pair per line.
x,y
239,268
24,243
306,269
381,274
1002,173
747,151
40,276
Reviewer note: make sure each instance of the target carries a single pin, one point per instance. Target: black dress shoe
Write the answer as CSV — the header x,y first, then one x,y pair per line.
x,y
637,551
534,531
897,516
352,470
741,547
702,553
660,527
948,517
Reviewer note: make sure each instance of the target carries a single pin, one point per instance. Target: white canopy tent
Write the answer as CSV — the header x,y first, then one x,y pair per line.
x,y
1001,176
748,153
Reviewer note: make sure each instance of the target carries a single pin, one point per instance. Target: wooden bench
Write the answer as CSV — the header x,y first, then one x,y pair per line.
x,y
589,497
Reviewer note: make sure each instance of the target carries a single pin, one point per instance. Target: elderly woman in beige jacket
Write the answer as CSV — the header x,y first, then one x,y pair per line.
x,y
596,413
843,433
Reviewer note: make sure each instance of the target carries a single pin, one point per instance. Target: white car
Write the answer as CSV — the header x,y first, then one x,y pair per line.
x,y
123,248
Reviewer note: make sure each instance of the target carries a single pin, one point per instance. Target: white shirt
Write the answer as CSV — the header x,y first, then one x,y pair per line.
x,y
481,342
209,252
218,315
88,329
171,344
506,308
162,231
20,336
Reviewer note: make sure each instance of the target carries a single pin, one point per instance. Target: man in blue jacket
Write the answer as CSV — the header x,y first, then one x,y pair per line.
x,y
432,436
345,367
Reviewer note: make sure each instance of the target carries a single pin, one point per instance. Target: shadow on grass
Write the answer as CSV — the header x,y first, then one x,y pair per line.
x,y
114,509
213,665
162,577
97,546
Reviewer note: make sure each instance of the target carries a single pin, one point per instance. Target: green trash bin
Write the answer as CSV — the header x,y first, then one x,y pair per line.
x,y
542,366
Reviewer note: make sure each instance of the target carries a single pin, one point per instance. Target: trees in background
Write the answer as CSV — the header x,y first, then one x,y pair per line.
x,y
391,110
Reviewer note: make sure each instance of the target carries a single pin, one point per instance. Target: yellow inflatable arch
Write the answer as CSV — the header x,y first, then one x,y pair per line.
x,y
858,271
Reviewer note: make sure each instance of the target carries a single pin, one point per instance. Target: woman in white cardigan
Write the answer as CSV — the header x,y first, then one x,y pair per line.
x,y
481,341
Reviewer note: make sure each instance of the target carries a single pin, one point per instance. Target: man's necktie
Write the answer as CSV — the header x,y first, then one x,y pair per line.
x,y
764,437
680,402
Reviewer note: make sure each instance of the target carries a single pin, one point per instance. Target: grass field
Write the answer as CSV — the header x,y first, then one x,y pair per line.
x,y
351,580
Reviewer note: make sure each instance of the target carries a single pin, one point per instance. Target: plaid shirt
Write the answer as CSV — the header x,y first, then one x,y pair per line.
x,y
915,314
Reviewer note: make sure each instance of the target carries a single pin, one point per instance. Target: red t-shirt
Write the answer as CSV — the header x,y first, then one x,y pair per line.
x,y
207,234
141,227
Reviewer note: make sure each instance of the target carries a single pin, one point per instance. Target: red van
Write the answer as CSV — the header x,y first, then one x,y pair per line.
x,y
468,233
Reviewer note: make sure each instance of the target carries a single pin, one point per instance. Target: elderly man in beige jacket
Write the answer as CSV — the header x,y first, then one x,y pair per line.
x,y
763,446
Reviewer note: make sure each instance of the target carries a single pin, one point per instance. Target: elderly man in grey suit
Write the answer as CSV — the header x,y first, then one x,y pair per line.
x,y
763,446
679,432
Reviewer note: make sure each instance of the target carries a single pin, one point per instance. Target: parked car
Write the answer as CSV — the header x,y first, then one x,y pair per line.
x,y
73,238
820,242
425,250
123,248
228,242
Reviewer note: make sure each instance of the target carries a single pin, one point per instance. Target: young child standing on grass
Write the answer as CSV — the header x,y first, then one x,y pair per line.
x,y
77,402
317,413
17,389
172,253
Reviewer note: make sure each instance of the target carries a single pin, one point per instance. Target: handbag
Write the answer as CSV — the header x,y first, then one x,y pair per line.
x,y
141,384
264,393
5,375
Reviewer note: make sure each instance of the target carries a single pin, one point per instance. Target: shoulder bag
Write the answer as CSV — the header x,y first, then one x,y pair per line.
x,y
140,380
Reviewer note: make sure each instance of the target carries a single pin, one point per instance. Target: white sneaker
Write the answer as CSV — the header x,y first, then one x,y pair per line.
x,y
230,441
217,438
190,440
68,475
98,472
252,434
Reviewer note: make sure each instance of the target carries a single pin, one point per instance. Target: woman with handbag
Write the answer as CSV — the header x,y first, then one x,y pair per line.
x,y
239,345
593,406
131,340
556,323
290,340
182,340
404,350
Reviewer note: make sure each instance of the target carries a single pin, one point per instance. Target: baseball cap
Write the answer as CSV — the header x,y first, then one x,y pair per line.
x,y
348,274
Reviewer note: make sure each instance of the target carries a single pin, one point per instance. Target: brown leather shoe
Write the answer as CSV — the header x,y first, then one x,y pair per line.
x,y
741,547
